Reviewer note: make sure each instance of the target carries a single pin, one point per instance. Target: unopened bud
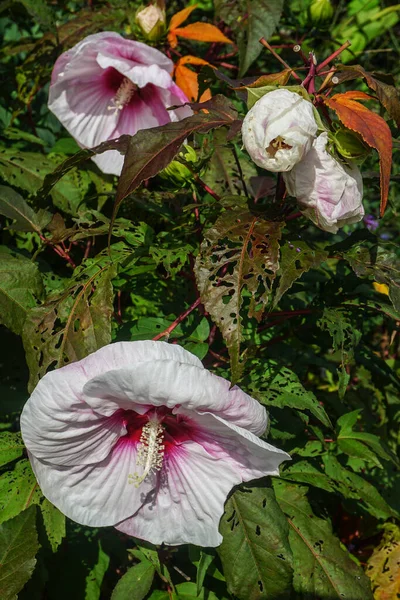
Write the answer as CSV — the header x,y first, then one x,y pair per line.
x,y
152,22
320,11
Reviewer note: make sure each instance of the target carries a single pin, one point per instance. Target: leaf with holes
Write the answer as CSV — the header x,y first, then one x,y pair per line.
x,y
70,325
383,567
345,338
20,287
18,490
296,258
255,552
373,129
351,485
11,447
18,547
279,386
239,254
322,567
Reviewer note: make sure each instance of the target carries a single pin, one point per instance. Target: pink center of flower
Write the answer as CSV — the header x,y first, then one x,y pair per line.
x,y
155,434
124,95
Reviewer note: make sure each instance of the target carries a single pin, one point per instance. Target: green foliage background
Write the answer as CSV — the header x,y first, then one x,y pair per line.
x,y
303,330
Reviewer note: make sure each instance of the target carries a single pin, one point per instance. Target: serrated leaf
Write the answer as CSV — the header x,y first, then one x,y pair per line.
x,y
18,547
296,258
373,129
70,325
20,285
239,252
255,552
136,582
13,206
322,567
11,447
96,575
383,567
202,568
345,338
18,490
351,485
54,523
279,386
304,472
250,20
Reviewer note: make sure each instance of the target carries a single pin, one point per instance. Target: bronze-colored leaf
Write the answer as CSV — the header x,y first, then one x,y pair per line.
x,y
383,568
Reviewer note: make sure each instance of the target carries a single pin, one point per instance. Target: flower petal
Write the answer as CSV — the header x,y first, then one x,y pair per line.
x,y
170,383
189,502
95,495
58,426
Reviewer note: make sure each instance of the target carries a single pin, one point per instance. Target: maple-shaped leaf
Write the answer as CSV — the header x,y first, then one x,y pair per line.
x,y
373,129
187,79
200,32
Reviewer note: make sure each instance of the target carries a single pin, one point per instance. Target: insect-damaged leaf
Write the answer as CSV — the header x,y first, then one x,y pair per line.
x,y
255,552
239,255
148,154
373,129
383,568
70,325
322,567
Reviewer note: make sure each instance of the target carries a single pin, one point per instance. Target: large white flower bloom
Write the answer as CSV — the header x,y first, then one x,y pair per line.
x,y
140,436
106,86
279,130
329,192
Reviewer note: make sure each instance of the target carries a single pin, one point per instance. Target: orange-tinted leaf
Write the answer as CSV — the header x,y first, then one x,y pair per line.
x,y
373,129
180,17
280,78
187,79
202,32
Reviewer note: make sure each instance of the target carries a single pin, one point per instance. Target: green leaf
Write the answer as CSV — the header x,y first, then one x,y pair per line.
x,y
96,575
20,285
351,485
239,254
250,21
279,386
383,567
304,472
13,206
18,548
204,562
11,447
18,490
322,567
222,172
70,325
27,171
40,11
188,591
296,258
54,523
345,338
136,582
148,154
255,552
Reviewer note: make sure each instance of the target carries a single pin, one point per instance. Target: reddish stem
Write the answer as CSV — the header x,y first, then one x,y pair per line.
x,y
295,215
177,321
333,56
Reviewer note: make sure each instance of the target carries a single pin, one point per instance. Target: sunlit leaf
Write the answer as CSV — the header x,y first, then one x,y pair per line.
x,y
383,567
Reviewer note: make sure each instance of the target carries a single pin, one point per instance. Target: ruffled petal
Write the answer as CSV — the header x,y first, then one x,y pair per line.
x,y
171,383
95,495
188,503
141,75
57,424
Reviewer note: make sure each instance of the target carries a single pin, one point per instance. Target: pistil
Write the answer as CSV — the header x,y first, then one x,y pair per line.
x,y
150,451
276,144
124,95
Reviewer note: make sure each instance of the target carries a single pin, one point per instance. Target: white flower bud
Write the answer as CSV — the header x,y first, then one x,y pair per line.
x,y
279,130
151,21
329,192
